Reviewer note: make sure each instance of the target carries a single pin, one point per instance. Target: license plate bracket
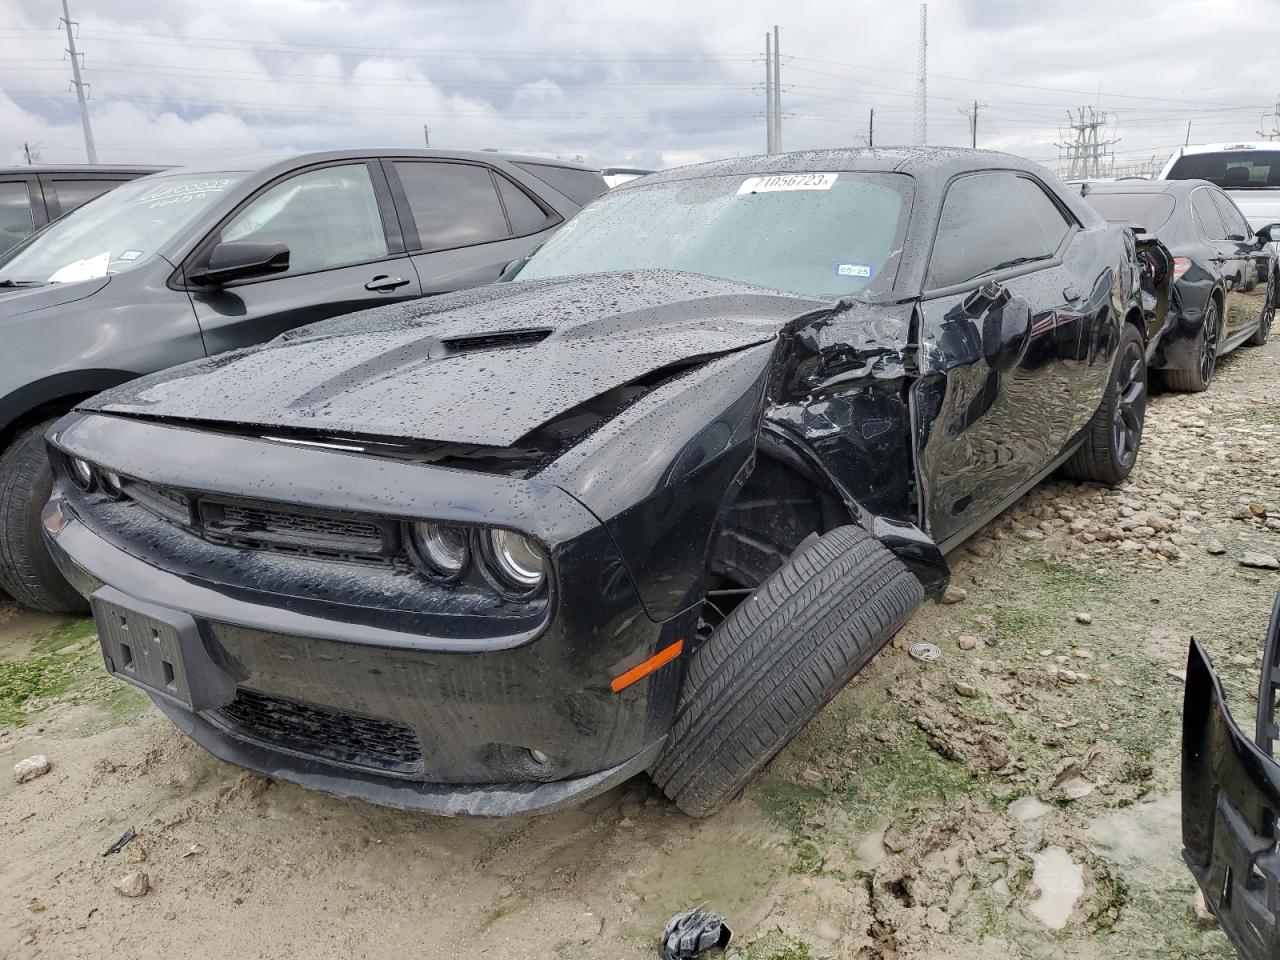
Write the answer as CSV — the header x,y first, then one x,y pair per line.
x,y
160,650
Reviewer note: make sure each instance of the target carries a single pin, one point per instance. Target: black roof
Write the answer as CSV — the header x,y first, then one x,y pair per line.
x,y
80,168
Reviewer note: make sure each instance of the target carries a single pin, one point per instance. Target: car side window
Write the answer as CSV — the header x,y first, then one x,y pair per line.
x,y
328,218
1237,226
75,193
453,204
526,216
1207,213
991,221
15,213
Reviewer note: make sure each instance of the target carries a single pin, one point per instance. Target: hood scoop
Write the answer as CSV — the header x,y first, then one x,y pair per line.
x,y
486,342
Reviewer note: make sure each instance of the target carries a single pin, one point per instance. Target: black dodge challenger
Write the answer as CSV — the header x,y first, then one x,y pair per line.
x,y
647,505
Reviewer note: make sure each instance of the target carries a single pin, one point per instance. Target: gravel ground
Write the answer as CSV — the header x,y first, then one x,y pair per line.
x,y
1016,798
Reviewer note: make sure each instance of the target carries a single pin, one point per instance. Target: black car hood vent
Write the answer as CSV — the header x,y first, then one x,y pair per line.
x,y
495,341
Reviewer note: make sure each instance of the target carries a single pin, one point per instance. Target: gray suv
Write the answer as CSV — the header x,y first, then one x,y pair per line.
x,y
196,261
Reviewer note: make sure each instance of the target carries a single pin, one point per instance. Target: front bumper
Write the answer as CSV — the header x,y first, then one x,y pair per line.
x,y
1230,805
315,680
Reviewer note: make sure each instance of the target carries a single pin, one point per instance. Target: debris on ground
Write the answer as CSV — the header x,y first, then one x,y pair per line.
x,y
692,933
31,767
134,884
924,652
193,851
121,843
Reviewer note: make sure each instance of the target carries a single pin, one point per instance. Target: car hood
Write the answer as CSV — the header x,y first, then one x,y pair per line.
x,y
15,301
479,367
1260,207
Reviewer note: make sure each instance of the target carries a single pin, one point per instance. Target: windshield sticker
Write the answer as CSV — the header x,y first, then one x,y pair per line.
x,y
90,268
861,270
788,181
130,255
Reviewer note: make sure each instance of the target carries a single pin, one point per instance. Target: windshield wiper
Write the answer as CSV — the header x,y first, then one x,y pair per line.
x,y
1015,262
20,283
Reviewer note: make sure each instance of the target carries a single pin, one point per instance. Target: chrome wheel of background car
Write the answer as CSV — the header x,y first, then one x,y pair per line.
x,y
1268,312
1131,403
1209,345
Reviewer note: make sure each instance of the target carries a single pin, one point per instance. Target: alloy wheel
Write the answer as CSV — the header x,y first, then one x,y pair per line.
x,y
1209,345
1131,403
1268,311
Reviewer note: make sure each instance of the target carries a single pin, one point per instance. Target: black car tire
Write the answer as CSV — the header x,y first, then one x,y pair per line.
x,y
1197,380
27,571
1263,330
777,659
1103,457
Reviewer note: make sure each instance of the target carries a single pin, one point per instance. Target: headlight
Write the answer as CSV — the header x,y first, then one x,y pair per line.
x,y
81,472
516,560
111,483
441,548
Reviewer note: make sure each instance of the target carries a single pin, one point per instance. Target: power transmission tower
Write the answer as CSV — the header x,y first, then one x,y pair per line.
x,y
971,114
922,93
1273,119
1085,148
78,83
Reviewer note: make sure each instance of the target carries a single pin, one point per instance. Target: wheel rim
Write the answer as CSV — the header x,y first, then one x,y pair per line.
x,y
1268,310
1209,345
1131,402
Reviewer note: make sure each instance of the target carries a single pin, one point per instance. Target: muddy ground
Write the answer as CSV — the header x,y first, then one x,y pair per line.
x,y
1016,798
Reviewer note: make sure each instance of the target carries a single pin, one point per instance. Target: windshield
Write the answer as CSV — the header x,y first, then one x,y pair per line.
x,y
822,234
1150,210
1231,169
119,230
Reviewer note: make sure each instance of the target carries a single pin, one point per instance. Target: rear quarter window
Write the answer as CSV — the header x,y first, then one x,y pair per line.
x,y
580,186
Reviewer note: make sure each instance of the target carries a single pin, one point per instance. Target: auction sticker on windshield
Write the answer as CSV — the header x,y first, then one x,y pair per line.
x,y
788,181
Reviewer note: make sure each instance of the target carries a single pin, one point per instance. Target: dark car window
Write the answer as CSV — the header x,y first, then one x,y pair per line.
x,y
580,186
827,234
1230,169
453,204
1150,210
15,213
327,217
1237,226
1208,215
526,216
74,193
991,221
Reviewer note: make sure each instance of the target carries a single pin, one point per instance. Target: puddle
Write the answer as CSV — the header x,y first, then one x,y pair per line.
x,y
1143,838
1061,883
1028,808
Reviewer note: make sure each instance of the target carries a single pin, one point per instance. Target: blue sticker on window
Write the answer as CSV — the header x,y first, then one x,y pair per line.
x,y
860,270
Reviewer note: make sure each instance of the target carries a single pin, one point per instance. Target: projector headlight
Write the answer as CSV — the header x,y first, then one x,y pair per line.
x,y
516,560
441,549
81,472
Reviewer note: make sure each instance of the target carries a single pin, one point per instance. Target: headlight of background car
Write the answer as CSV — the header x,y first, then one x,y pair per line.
x,y
516,560
440,548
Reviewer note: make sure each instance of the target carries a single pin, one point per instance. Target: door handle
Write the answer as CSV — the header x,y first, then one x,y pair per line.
x,y
385,284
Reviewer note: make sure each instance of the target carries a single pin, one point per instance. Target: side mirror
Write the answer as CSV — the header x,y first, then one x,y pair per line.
x,y
1268,234
1006,333
240,260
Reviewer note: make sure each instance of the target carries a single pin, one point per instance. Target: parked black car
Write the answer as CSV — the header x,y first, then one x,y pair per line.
x,y
1224,291
1230,799
197,261
32,196
647,505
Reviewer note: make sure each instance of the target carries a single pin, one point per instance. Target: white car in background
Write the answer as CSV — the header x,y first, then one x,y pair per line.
x,y
1248,172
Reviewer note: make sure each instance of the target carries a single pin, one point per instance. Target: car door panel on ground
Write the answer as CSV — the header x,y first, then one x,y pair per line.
x,y
986,421
345,254
463,222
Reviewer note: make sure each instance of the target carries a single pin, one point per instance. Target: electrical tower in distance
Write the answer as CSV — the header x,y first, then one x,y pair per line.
x,y
772,94
922,92
1085,147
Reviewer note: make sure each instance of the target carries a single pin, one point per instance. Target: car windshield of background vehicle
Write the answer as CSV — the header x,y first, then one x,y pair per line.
x,y
822,234
1150,210
115,232
1231,169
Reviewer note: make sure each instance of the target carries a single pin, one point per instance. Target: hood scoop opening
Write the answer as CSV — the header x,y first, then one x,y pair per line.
x,y
486,342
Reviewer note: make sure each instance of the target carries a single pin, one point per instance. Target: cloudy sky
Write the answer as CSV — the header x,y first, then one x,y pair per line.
x,y
647,84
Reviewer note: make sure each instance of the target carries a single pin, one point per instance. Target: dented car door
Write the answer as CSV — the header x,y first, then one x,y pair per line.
x,y
1230,801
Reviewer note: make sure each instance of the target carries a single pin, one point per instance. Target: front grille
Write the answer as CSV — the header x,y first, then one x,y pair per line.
x,y
379,746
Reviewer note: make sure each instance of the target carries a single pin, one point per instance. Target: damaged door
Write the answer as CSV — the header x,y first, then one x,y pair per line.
x,y
1000,336
1230,801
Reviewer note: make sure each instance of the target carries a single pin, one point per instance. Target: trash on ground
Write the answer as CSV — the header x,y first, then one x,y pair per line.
x,y
693,932
121,843
924,652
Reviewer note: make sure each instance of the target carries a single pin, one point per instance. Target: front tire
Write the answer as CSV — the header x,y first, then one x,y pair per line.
x,y
1261,334
1197,380
1110,447
777,659
27,571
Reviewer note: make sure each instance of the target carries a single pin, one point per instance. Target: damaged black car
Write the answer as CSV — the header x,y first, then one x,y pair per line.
x,y
645,506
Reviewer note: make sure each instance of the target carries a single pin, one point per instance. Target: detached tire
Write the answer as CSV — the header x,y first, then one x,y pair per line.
x,y
1112,438
27,572
777,659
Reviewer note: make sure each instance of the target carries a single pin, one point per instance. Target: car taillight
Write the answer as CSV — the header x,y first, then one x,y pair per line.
x,y
1180,266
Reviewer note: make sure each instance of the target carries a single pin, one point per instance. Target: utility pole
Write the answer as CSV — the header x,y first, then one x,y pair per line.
x,y
777,93
770,147
971,114
871,128
426,135
32,154
1187,142
79,84
922,93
